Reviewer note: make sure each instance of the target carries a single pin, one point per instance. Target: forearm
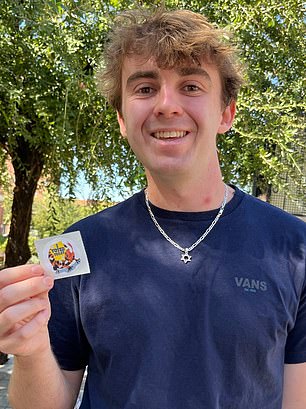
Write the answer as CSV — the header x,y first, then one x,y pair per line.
x,y
294,396
38,382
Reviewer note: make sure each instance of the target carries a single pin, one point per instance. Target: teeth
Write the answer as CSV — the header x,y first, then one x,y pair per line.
x,y
169,134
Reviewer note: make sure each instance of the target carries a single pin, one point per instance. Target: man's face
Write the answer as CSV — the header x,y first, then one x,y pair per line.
x,y
171,117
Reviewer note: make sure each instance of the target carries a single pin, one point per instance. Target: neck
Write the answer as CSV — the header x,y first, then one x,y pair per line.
x,y
201,194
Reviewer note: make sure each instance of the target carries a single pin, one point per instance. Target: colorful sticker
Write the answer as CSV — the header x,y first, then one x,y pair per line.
x,y
63,255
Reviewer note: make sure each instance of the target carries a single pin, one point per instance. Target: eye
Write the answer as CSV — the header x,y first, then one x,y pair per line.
x,y
192,88
144,90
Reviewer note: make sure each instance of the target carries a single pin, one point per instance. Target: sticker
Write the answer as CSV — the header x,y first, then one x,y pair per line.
x,y
64,255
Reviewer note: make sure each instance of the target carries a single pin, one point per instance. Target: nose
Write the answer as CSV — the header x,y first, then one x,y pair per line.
x,y
167,103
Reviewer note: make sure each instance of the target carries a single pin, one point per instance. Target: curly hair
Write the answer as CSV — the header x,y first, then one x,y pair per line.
x,y
172,38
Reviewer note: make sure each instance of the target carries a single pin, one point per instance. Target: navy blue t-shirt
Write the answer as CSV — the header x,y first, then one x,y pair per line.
x,y
157,333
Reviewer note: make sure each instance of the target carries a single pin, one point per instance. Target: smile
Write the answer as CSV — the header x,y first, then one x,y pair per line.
x,y
169,134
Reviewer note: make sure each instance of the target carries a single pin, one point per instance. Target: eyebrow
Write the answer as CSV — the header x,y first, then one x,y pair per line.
x,y
182,71
142,74
192,70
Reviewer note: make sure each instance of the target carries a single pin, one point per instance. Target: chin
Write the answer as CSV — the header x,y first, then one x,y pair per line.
x,y
170,169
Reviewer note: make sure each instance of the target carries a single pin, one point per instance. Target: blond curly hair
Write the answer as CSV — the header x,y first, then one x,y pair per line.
x,y
172,38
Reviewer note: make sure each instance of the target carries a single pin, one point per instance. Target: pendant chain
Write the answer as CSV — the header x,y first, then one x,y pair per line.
x,y
186,257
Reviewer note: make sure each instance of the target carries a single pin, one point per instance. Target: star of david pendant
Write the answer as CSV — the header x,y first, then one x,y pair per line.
x,y
186,257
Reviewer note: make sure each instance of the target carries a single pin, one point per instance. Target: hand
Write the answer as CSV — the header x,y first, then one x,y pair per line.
x,y
24,310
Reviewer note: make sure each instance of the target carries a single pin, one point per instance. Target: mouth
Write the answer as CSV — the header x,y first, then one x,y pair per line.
x,y
169,134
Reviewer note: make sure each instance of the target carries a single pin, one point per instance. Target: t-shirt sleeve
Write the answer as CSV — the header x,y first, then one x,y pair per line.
x,y
67,337
295,351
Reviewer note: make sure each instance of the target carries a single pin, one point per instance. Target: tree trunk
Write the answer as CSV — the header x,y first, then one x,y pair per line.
x,y
28,165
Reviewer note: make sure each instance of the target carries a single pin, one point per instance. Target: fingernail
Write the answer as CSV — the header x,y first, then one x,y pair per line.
x,y
48,281
37,270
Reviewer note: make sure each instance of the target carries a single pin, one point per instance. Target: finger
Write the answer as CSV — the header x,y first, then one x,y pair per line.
x,y
17,292
27,337
19,273
14,317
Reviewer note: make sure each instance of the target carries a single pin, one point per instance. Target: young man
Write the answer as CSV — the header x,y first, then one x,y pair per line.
x,y
196,296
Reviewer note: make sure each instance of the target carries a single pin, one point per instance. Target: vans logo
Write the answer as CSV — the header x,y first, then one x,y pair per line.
x,y
250,284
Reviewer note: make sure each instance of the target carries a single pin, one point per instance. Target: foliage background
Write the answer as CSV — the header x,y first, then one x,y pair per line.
x,y
54,123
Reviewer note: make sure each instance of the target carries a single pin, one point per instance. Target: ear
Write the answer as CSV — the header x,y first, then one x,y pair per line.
x,y
121,123
227,117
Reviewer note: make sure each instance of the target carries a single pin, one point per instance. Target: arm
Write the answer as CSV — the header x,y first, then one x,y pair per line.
x,y
294,396
37,381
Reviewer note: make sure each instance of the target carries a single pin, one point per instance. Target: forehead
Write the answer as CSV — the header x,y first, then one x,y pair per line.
x,y
135,67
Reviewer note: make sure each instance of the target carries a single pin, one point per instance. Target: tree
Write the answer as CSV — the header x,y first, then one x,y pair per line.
x,y
53,122
270,123
268,134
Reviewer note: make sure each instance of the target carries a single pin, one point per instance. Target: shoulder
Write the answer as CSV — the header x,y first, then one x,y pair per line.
x,y
118,215
257,224
269,216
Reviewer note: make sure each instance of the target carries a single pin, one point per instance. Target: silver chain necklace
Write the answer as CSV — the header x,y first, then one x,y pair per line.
x,y
186,257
